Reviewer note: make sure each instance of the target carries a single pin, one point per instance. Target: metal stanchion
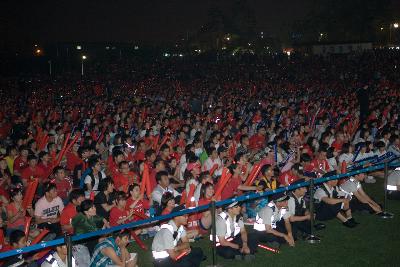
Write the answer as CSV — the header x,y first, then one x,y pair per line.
x,y
384,214
312,239
68,243
214,236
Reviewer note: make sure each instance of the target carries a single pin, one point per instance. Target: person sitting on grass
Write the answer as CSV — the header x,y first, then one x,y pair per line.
x,y
273,222
233,241
112,251
332,203
361,201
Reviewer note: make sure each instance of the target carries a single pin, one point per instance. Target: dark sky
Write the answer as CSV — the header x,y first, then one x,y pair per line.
x,y
146,21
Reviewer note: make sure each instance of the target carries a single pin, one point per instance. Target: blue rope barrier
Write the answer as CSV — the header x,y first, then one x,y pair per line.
x,y
154,220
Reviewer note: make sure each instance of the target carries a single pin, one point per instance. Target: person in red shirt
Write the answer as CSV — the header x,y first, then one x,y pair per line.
x,y
167,203
257,141
235,183
124,177
206,196
32,171
21,162
117,157
159,165
119,214
63,183
69,212
339,140
140,152
136,203
45,164
73,158
290,176
320,164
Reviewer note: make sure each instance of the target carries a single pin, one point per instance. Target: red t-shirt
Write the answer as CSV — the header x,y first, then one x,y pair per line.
x,y
140,207
287,178
20,164
47,169
152,178
231,187
67,214
73,161
337,145
117,214
139,156
63,187
257,141
29,173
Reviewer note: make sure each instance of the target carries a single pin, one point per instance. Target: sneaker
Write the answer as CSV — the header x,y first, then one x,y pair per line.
x,y
349,224
250,221
370,180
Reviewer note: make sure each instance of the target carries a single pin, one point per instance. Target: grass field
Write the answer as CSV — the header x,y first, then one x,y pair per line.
x,y
374,242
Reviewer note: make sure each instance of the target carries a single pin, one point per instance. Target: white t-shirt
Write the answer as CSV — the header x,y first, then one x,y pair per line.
x,y
46,210
351,185
348,158
320,193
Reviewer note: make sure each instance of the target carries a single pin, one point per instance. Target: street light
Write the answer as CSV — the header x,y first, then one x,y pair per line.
x,y
83,59
396,25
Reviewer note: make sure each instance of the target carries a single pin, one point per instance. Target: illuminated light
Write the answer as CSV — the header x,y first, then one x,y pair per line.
x,y
249,44
107,48
136,47
381,28
84,57
396,25
288,53
78,47
228,38
166,55
321,34
397,47
36,45
391,187
38,51
224,48
180,55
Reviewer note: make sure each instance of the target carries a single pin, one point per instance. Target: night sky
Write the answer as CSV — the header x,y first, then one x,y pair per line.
x,y
146,21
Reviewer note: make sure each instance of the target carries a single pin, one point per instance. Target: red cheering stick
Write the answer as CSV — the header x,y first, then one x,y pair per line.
x,y
27,225
253,174
101,135
183,198
138,241
61,154
140,215
180,256
268,248
37,239
30,193
213,169
343,167
155,142
226,175
163,141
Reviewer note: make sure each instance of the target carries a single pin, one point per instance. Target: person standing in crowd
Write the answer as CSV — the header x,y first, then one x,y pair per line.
x,y
171,246
233,241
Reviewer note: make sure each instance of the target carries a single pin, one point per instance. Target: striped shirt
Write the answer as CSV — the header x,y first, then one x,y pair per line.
x,y
98,258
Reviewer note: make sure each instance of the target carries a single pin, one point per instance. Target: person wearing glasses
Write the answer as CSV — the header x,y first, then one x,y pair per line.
x,y
233,241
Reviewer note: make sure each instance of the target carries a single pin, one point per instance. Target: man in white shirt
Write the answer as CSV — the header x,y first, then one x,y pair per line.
x,y
162,186
332,202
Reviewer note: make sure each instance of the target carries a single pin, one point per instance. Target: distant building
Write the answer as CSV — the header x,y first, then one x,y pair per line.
x,y
345,48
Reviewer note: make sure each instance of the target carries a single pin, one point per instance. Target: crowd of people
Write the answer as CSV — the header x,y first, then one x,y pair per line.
x,y
80,155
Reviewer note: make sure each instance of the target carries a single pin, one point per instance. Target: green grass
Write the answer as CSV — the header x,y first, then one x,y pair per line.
x,y
374,242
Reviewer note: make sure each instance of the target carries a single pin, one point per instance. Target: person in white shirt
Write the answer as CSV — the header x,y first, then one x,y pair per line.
x,y
162,186
359,199
333,203
212,160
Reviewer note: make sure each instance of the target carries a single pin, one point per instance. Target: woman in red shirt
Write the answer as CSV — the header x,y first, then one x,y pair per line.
x,y
119,214
16,214
206,196
136,203
167,203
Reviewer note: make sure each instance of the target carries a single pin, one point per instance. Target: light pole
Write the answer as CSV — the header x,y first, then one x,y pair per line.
x,y
83,59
